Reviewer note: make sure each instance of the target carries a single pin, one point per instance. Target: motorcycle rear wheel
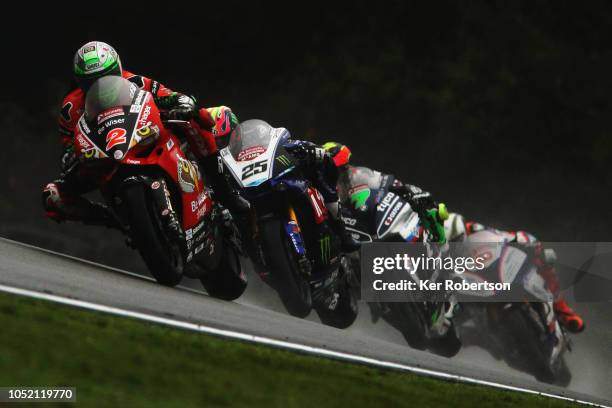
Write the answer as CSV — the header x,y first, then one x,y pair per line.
x,y
227,281
162,256
345,312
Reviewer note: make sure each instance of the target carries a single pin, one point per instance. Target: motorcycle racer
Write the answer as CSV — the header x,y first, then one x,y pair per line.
x,y
319,167
354,190
457,229
454,226
62,198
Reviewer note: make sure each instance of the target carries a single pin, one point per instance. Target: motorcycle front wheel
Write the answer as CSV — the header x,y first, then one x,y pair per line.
x,y
162,255
287,279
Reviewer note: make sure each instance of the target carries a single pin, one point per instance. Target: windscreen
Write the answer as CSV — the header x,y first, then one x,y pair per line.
x,y
364,176
250,139
108,92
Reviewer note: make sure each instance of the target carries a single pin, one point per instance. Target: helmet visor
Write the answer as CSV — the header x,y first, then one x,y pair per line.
x,y
108,92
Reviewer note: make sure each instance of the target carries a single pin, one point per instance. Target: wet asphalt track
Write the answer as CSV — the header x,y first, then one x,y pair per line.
x,y
259,312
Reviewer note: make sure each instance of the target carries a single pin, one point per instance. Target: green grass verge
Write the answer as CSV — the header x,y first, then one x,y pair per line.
x,y
120,362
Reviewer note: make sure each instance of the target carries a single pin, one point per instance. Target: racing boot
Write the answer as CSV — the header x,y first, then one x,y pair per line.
x,y
348,243
567,317
61,207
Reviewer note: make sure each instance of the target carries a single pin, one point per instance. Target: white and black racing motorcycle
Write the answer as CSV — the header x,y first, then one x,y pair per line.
x,y
292,246
526,333
380,215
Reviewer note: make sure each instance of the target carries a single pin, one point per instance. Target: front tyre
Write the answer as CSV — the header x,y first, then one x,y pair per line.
x,y
447,345
162,255
281,258
410,320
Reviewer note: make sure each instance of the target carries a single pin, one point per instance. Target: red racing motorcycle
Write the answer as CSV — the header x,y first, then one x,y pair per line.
x,y
155,191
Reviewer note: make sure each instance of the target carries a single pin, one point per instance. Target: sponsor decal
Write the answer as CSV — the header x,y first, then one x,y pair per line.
x,y
386,202
154,87
283,160
113,122
187,175
325,249
393,213
89,48
169,145
132,161
109,123
118,155
135,108
139,98
349,221
82,142
155,185
142,120
195,204
115,137
83,125
318,205
109,113
201,211
250,153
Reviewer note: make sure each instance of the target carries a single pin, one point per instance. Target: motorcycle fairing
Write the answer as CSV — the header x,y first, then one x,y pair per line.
x,y
92,143
256,170
394,215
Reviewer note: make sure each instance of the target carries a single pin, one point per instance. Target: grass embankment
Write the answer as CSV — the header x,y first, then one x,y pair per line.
x,y
119,362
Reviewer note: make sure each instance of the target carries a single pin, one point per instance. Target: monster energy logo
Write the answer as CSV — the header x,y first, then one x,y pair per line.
x,y
325,249
282,159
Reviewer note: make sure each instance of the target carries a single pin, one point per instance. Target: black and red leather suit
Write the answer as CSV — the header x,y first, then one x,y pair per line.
x,y
62,198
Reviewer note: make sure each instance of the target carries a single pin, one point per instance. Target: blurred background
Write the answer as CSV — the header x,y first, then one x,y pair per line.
x,y
500,109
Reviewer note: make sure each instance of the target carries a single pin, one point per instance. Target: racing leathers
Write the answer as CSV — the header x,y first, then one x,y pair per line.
x,y
457,229
354,180
62,198
319,167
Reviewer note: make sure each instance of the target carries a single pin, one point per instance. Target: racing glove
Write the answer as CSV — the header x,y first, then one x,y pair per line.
x,y
432,216
308,153
433,221
185,109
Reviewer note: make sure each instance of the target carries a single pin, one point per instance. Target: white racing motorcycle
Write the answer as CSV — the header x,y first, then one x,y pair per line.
x,y
526,333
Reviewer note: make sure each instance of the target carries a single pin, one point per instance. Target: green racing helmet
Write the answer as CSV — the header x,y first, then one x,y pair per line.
x,y
94,60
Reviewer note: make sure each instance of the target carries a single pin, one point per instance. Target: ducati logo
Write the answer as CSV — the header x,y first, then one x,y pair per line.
x,y
115,137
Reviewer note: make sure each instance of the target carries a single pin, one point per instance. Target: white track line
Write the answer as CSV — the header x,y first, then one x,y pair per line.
x,y
279,343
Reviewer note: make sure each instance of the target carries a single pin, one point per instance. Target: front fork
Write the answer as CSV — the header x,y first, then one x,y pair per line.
x,y
293,230
160,194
